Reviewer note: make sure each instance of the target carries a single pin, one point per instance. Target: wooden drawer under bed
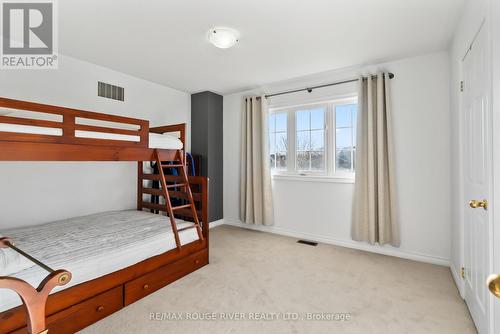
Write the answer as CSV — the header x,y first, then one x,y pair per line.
x,y
81,315
149,283
85,313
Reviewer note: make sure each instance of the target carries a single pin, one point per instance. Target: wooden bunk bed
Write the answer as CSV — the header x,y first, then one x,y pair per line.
x,y
76,137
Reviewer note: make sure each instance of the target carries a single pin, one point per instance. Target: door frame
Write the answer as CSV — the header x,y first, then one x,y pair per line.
x,y
494,18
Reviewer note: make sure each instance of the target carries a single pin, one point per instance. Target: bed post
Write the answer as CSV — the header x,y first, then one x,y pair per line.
x,y
204,207
34,300
140,185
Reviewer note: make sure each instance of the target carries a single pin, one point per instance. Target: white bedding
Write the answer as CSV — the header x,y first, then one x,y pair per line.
x,y
92,246
12,262
156,140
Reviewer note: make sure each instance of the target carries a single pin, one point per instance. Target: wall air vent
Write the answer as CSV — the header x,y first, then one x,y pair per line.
x,y
110,91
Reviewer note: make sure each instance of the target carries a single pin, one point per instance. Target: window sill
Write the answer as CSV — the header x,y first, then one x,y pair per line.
x,y
313,178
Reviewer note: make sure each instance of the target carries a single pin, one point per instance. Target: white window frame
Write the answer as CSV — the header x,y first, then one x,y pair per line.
x,y
329,174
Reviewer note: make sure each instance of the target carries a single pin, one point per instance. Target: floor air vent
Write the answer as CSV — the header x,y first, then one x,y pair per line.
x,y
110,91
309,243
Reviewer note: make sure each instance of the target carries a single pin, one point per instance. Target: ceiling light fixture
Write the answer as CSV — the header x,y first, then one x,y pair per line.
x,y
223,37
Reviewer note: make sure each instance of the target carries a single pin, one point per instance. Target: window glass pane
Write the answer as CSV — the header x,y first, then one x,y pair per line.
x,y
344,138
272,142
302,120
354,123
281,161
317,160
310,139
303,160
354,114
318,140
303,142
343,116
354,134
281,141
273,161
278,140
318,118
272,124
343,160
281,119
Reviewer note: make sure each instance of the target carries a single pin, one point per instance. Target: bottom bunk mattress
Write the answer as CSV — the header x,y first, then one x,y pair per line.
x,y
89,247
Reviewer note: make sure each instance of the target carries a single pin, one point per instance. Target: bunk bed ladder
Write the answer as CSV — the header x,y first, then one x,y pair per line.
x,y
179,164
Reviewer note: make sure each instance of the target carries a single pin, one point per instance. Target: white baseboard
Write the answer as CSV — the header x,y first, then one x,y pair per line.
x,y
457,277
348,244
216,223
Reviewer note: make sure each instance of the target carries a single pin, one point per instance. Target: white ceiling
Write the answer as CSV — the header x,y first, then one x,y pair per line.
x,y
165,41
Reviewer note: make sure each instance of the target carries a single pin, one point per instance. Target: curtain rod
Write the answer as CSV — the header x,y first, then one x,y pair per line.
x,y
310,89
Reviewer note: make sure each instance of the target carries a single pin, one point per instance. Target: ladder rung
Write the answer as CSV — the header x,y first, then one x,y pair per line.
x,y
166,155
163,208
188,213
172,166
176,185
155,177
181,207
173,194
187,228
152,206
152,191
183,195
173,178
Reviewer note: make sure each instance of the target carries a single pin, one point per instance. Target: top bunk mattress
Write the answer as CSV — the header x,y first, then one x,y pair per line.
x,y
156,140
92,246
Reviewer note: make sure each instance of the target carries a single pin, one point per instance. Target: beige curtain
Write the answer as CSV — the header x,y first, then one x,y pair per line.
x,y
375,214
256,200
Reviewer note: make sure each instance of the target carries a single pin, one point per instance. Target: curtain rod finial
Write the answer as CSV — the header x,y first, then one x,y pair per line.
x,y
391,75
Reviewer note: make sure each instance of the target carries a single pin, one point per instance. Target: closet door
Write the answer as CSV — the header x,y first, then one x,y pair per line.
x,y
478,180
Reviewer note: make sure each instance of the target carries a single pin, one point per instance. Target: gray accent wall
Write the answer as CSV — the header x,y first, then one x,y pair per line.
x,y
206,141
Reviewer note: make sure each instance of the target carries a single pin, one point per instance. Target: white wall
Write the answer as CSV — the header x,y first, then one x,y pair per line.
x,y
322,211
474,13
32,193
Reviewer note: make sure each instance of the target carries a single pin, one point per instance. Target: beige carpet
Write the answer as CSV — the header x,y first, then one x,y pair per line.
x,y
265,275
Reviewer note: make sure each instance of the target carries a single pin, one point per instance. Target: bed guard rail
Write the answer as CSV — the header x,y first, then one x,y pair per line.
x,y
34,300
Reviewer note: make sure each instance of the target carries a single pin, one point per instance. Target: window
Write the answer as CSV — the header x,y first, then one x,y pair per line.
x,y
345,136
301,143
310,139
278,140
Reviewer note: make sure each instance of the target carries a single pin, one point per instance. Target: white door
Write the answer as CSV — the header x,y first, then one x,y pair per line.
x,y
477,180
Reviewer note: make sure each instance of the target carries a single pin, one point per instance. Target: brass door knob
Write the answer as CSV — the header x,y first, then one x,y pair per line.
x,y
478,204
494,285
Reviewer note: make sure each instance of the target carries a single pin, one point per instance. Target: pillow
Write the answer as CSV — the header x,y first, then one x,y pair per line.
x,y
12,262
